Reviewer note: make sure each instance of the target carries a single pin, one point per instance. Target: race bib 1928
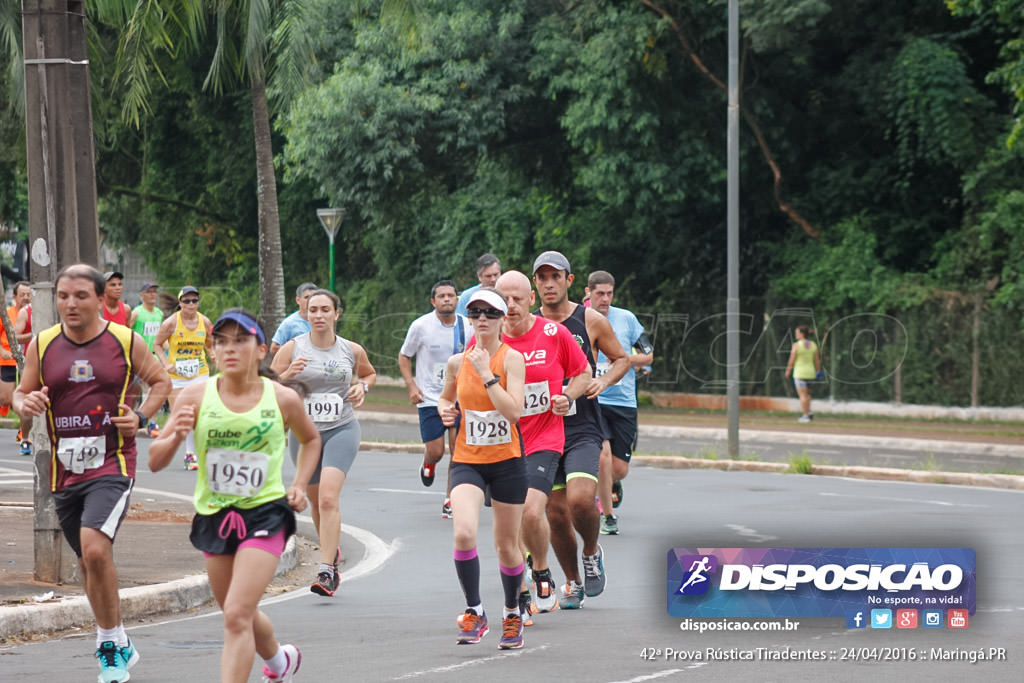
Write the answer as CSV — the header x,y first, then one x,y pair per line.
x,y
487,428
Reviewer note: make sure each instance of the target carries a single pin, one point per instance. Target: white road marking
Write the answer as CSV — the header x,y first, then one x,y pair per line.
x,y
663,674
375,554
467,664
747,532
897,499
412,491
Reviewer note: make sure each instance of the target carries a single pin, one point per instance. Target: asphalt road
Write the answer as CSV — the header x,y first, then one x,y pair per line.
x,y
394,615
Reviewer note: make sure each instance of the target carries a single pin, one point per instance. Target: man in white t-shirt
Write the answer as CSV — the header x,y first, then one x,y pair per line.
x,y
431,340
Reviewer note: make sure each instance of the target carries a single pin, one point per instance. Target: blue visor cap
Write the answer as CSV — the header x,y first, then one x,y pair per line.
x,y
242,320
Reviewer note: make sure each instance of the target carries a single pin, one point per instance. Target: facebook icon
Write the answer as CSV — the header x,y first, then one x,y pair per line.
x,y
855,619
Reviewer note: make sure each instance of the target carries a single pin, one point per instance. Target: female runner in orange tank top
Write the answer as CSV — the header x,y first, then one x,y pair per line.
x,y
487,379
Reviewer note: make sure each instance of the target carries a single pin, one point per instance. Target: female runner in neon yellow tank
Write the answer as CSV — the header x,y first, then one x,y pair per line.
x,y
185,336
244,513
805,366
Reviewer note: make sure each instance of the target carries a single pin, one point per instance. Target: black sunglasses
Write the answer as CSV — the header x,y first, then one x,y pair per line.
x,y
491,313
190,301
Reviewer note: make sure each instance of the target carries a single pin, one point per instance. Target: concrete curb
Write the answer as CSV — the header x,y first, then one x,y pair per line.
x,y
796,438
1001,481
136,602
819,439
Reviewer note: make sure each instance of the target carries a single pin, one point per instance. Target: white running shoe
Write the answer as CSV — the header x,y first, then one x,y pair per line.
x,y
292,658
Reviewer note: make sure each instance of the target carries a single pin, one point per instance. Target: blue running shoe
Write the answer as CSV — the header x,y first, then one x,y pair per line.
x,y
129,654
572,595
594,578
115,661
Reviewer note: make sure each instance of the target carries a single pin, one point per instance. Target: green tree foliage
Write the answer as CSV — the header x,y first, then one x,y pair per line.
x,y
1008,15
875,178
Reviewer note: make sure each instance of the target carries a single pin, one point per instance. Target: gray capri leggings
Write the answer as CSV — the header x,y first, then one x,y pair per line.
x,y
338,448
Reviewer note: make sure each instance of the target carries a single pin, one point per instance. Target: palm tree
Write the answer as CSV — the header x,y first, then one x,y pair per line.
x,y
258,42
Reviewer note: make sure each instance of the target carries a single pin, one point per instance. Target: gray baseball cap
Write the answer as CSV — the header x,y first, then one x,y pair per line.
x,y
555,259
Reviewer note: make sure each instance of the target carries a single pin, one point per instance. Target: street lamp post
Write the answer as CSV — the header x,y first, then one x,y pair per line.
x,y
331,220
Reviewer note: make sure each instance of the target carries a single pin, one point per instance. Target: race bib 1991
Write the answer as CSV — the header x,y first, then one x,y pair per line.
x,y
324,407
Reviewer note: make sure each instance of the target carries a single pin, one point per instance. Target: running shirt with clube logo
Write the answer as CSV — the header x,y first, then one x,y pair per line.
x,y
240,454
552,355
86,383
485,436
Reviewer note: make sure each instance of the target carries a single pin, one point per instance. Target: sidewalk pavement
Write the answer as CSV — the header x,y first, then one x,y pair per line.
x,y
160,572
158,569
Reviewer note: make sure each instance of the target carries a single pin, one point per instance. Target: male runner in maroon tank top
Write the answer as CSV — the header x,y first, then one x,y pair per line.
x,y
86,364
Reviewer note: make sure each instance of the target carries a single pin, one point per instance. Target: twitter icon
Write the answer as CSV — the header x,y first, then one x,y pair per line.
x,y
881,618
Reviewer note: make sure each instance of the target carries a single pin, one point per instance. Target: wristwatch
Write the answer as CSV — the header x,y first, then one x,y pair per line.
x,y
143,420
491,382
366,387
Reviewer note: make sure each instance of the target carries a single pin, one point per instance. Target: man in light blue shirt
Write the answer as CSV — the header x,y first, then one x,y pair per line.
x,y
296,323
488,270
618,402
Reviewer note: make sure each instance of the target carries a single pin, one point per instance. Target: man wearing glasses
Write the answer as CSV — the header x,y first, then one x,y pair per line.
x,y
185,336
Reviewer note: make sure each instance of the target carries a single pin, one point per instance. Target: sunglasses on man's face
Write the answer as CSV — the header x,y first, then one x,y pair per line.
x,y
491,313
190,301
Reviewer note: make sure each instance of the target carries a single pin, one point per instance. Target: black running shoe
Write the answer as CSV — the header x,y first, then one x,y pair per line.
x,y
326,583
427,473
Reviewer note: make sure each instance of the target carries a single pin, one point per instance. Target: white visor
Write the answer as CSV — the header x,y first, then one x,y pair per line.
x,y
492,299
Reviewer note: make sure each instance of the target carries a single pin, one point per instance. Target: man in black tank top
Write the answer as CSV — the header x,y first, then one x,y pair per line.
x,y
572,499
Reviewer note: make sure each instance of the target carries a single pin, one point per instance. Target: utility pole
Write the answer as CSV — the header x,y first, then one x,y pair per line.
x,y
63,222
732,342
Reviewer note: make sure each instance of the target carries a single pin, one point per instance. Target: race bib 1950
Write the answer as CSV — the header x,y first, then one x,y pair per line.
x,y
236,473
